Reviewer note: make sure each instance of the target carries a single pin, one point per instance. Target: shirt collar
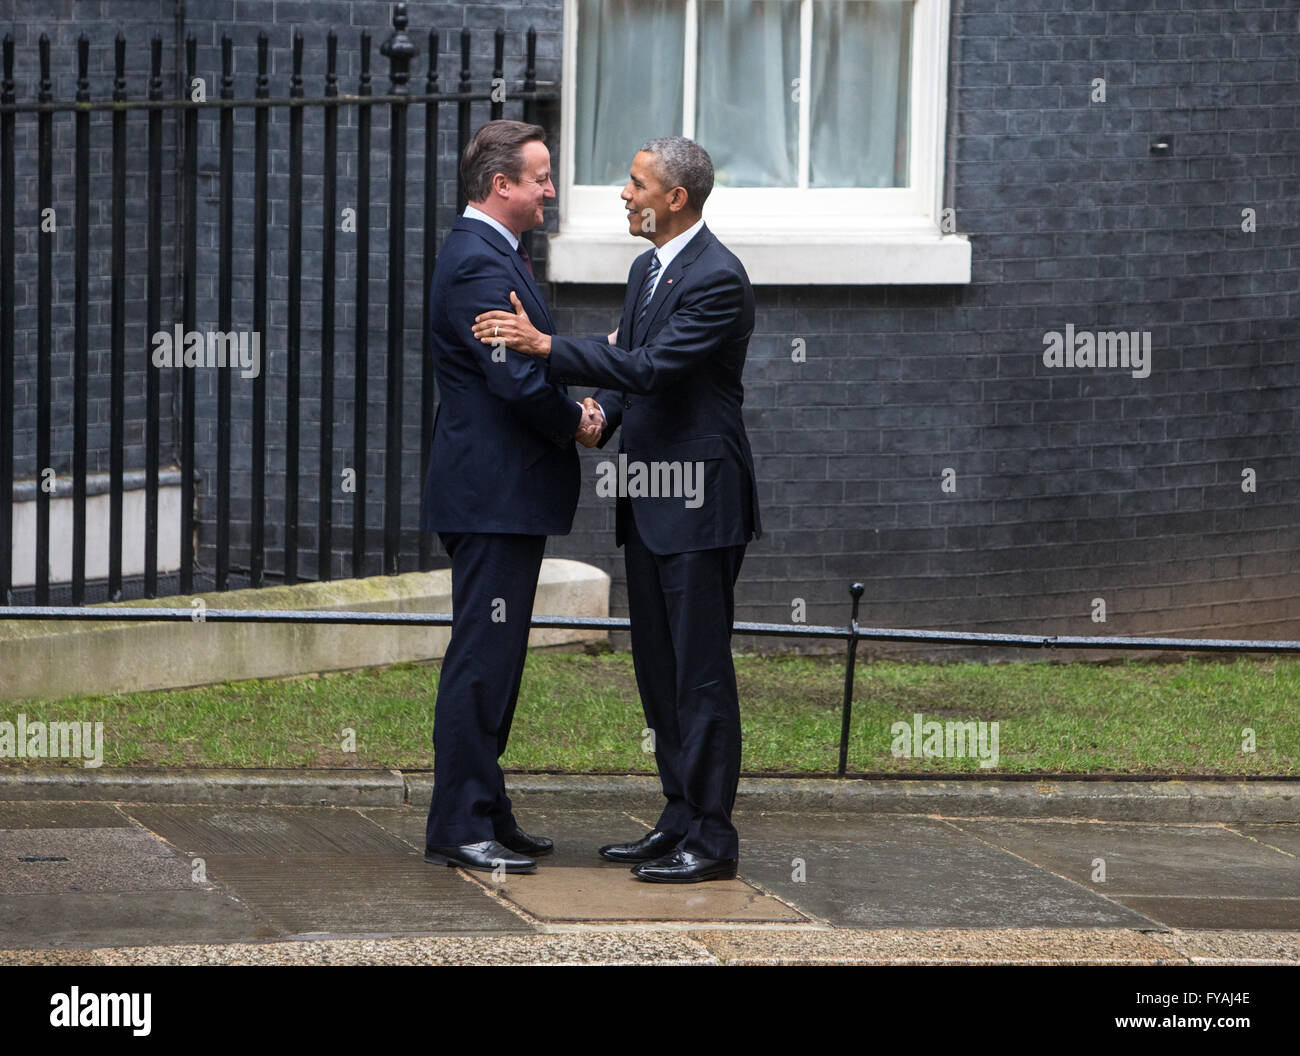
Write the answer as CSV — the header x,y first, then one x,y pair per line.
x,y
477,214
673,246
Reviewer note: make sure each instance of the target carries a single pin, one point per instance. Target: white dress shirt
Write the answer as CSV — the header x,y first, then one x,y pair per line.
x,y
477,214
671,248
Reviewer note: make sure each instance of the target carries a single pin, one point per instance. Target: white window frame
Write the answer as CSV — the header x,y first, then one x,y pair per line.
x,y
801,235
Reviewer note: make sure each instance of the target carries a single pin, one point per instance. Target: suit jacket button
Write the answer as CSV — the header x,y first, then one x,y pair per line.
x,y
627,404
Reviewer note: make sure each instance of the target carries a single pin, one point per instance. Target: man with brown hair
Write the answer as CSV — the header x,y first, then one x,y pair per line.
x,y
503,475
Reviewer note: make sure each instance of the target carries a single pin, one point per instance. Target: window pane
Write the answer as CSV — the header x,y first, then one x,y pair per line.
x,y
860,74
746,116
629,82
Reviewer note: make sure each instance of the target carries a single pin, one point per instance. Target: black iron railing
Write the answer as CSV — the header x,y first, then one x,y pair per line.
x,y
128,353
850,634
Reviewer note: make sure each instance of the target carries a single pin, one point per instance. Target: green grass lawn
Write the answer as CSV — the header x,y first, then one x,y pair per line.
x,y
581,713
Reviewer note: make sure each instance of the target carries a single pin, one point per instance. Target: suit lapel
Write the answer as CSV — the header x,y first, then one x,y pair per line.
x,y
673,278
529,295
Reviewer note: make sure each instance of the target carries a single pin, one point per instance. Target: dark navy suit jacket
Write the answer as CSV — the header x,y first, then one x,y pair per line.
x,y
674,385
503,458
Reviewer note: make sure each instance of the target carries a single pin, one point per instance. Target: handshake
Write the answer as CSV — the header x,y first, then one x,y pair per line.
x,y
591,425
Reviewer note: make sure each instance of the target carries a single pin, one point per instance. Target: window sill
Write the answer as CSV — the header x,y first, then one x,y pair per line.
x,y
899,259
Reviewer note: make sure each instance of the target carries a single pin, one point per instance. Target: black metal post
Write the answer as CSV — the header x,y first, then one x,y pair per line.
x,y
7,326
427,394
116,427
326,486
261,156
361,355
399,49
462,118
189,311
856,590
154,315
225,313
498,102
294,363
45,295
81,322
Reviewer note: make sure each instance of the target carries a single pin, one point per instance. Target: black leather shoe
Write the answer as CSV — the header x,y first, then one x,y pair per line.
x,y
651,846
487,856
682,867
519,841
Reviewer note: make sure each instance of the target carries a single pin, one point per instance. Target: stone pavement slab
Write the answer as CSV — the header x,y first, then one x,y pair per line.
x,y
895,871
37,815
319,884
1192,876
115,918
112,859
578,832
259,831
359,894
609,892
1280,837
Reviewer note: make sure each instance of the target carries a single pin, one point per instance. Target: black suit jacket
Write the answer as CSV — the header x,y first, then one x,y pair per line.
x,y
674,385
503,458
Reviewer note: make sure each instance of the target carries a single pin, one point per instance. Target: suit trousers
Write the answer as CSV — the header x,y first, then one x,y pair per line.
x,y
493,581
681,608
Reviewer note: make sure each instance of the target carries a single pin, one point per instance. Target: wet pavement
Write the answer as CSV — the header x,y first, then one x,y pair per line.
x,y
157,883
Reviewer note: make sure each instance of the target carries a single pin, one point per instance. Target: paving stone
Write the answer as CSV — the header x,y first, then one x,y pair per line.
x,y
359,894
61,860
213,830
910,872
1218,911
610,892
578,834
1283,837
37,815
1148,860
199,914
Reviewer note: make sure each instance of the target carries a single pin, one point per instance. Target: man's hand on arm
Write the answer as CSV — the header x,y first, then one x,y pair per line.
x,y
514,328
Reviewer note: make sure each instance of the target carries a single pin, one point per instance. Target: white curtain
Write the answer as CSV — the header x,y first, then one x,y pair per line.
x,y
629,88
630,74
860,73
746,114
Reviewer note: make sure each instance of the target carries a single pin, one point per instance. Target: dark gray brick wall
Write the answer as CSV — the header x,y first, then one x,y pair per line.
x,y
1070,484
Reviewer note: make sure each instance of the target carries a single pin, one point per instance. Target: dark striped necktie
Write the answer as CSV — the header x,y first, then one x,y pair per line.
x,y
647,290
528,261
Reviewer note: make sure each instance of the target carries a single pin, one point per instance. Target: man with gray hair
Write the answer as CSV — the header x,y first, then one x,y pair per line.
x,y
672,379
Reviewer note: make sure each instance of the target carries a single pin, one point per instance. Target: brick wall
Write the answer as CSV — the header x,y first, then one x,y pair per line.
x,y
1070,484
